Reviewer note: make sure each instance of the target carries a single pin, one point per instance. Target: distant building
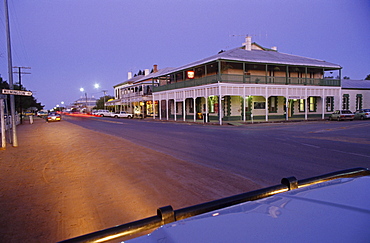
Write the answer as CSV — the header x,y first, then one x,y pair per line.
x,y
84,104
135,94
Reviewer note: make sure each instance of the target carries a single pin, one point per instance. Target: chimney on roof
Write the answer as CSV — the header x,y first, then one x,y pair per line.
x,y
129,75
146,72
155,68
248,43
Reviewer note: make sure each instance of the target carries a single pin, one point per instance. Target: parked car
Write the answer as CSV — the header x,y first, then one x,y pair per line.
x,y
362,114
42,113
102,113
342,115
122,114
52,116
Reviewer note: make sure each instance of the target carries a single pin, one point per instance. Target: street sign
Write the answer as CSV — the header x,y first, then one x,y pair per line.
x,y
16,92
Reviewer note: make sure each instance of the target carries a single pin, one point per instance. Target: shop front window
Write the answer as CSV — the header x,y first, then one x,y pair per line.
x,y
312,104
273,104
302,105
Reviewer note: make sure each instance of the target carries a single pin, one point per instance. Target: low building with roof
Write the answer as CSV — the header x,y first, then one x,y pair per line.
x,y
84,104
246,83
355,94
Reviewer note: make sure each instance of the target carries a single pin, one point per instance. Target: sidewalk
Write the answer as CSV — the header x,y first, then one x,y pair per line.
x,y
63,181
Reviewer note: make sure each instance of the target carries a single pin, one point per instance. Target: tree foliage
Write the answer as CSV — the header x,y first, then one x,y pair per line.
x,y
100,102
367,77
21,102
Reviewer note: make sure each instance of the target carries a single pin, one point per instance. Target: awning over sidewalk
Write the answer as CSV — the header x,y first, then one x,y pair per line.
x,y
113,102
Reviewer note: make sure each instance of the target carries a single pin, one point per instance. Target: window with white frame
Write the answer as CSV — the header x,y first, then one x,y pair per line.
x,y
345,103
330,103
272,104
358,101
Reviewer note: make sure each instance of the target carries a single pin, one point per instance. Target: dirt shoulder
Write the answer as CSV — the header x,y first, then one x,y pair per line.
x,y
63,181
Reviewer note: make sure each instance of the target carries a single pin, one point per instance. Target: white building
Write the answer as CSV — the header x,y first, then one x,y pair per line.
x,y
248,82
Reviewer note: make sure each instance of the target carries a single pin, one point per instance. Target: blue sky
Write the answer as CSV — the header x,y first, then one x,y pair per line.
x,y
71,44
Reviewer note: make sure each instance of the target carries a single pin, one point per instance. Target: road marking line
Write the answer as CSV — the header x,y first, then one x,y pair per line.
x,y
363,155
310,145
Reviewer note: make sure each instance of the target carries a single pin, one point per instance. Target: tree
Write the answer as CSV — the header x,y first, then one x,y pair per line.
x,y
24,102
100,102
367,77
346,77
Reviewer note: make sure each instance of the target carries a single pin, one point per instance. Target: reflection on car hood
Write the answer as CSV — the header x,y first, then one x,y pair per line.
x,y
332,211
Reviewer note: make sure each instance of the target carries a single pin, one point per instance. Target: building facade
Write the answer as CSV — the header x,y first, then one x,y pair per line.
x,y
84,104
135,94
248,83
355,94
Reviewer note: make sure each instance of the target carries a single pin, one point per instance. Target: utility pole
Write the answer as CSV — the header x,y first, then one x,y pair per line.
x,y
20,86
10,73
105,93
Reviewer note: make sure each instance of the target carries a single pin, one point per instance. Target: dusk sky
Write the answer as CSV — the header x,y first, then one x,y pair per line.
x,y
71,44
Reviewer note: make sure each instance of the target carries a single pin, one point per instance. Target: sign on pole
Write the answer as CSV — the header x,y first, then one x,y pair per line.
x,y
16,92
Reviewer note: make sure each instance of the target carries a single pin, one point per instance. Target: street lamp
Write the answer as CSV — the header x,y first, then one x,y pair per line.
x,y
82,90
97,86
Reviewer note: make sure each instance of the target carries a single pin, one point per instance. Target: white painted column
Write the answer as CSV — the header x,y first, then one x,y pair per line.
x,y
160,108
287,104
219,104
194,109
183,109
153,104
175,107
206,115
323,104
306,104
266,105
167,115
244,103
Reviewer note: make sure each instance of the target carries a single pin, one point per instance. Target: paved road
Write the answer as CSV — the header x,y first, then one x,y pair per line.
x,y
263,153
63,181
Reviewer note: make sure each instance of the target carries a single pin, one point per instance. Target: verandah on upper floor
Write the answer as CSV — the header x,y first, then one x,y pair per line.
x,y
226,71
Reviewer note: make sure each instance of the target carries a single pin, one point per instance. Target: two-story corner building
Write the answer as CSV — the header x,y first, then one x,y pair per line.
x,y
135,94
250,82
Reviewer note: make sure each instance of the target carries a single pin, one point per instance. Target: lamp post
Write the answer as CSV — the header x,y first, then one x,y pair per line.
x,y
83,90
97,86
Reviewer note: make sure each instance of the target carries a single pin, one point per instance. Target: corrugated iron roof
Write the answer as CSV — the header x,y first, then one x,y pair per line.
x,y
355,84
129,81
140,78
261,56
156,74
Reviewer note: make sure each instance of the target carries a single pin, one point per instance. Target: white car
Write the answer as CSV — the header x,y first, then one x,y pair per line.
x,y
122,114
102,113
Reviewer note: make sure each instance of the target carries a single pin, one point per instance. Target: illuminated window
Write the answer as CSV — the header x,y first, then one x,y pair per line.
x,y
190,74
302,105
312,104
